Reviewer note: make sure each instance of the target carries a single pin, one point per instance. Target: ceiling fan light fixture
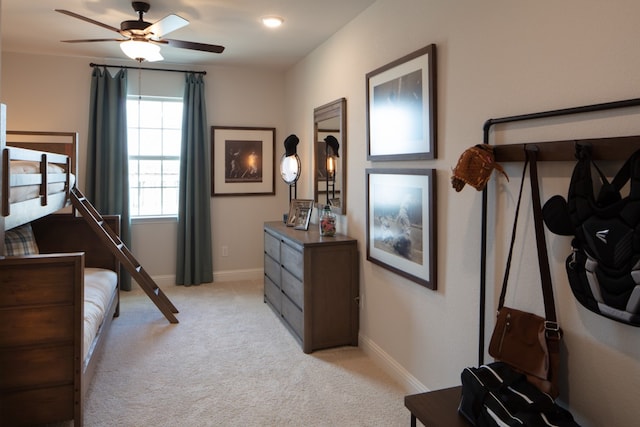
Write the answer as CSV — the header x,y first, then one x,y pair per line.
x,y
141,50
272,21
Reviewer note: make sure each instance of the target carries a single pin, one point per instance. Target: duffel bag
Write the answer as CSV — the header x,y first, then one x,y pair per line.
x,y
495,395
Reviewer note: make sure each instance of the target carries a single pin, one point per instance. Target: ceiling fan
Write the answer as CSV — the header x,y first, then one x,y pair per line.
x,y
142,40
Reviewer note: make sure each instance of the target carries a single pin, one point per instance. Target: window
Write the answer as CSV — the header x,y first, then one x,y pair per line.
x,y
154,137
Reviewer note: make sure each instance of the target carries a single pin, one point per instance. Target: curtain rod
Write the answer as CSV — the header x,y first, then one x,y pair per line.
x,y
146,69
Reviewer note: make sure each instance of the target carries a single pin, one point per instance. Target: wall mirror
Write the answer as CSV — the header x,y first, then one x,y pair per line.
x,y
330,155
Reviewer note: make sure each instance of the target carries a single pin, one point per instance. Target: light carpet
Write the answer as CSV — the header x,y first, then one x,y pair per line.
x,y
230,362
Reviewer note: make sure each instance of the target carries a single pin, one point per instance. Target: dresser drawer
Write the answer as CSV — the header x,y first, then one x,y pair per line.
x,y
272,246
292,260
272,269
272,294
293,288
292,315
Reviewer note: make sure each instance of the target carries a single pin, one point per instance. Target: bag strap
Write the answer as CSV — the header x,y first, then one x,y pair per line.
x,y
551,324
609,192
629,172
507,269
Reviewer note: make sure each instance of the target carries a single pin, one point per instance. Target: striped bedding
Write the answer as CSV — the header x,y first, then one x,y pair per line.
x,y
19,193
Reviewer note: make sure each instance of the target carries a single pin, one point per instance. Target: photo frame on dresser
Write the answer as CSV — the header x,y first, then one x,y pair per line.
x,y
401,108
401,222
300,214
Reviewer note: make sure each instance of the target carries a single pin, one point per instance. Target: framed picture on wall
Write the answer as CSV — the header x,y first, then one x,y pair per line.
x,y
401,222
242,161
401,108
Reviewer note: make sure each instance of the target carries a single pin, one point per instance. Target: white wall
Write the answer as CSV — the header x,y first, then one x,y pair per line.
x,y
51,93
496,58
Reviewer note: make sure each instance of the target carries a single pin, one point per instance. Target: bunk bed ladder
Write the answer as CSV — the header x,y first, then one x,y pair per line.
x,y
124,255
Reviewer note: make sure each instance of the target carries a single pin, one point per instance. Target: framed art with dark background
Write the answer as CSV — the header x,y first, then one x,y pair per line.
x,y
242,161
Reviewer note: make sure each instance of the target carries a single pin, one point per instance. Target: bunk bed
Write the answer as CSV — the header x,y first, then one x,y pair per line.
x,y
58,298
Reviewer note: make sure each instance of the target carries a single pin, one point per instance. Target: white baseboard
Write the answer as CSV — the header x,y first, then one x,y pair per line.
x,y
235,275
391,366
165,280
220,276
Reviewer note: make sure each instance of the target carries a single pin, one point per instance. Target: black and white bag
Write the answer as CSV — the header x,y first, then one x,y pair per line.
x,y
604,266
496,395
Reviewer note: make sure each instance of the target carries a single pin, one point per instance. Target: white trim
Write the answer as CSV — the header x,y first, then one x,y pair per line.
x,y
220,276
164,280
161,219
235,275
391,366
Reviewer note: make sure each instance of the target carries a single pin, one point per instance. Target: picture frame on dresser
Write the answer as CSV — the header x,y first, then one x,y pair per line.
x,y
401,222
300,214
401,108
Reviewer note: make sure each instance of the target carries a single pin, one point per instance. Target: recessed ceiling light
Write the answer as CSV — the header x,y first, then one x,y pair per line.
x,y
272,21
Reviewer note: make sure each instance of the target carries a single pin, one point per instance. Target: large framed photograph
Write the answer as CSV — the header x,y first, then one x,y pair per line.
x,y
242,161
401,222
401,108
299,214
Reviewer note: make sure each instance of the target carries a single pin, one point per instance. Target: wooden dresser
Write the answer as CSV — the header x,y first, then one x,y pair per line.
x,y
311,283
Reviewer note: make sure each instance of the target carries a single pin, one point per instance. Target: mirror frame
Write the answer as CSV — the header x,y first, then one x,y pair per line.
x,y
335,109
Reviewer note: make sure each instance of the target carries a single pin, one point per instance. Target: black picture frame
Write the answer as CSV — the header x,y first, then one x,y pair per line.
x,y
401,222
242,161
401,113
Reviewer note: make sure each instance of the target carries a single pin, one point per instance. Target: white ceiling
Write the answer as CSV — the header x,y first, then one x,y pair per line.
x,y
34,27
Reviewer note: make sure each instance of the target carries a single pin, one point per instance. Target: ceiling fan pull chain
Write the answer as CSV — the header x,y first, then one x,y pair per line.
x,y
139,82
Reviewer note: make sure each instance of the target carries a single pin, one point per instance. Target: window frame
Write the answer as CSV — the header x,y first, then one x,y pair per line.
x,y
136,189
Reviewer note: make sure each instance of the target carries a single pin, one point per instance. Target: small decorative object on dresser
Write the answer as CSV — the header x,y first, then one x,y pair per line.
x,y
327,221
320,309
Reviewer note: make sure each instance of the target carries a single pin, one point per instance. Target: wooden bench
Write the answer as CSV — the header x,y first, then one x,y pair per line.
x,y
436,408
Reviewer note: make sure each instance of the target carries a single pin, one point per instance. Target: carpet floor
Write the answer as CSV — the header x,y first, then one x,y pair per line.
x,y
230,362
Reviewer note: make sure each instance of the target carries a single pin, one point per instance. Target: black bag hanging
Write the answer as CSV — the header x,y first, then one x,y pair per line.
x,y
494,395
604,267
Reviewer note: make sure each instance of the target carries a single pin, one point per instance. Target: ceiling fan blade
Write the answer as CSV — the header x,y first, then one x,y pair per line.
x,y
166,25
94,40
194,46
89,20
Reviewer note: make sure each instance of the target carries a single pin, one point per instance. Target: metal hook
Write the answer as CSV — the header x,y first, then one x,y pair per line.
x,y
582,149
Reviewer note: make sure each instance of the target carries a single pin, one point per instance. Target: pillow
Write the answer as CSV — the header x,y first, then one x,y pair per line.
x,y
20,241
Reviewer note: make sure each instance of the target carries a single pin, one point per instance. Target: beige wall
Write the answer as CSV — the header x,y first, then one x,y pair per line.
x,y
51,93
496,58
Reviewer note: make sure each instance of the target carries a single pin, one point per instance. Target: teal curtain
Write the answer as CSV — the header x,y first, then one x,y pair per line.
x,y
107,156
194,258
